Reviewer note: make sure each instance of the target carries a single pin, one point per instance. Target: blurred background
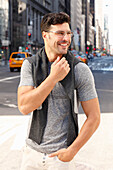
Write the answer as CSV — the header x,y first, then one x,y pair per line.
x,y
20,20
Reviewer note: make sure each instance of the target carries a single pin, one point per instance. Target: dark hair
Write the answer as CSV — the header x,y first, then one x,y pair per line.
x,y
53,19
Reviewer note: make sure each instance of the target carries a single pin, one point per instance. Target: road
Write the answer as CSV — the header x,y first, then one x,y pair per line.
x,y
103,79
13,126
102,69
8,91
104,63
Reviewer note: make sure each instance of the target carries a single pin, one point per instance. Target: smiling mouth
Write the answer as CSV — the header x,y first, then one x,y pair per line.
x,y
64,45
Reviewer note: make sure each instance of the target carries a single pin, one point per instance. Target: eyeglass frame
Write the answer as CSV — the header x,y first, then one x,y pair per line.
x,y
69,33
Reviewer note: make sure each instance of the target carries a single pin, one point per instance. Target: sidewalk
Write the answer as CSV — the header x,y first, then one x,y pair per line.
x,y
97,154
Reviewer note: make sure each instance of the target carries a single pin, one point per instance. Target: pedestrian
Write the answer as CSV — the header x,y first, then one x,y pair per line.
x,y
52,85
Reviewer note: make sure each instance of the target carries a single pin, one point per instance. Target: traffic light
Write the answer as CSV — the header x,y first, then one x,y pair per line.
x,y
87,48
29,35
94,49
26,48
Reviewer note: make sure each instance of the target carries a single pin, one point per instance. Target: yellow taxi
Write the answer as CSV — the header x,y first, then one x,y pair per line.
x,y
16,60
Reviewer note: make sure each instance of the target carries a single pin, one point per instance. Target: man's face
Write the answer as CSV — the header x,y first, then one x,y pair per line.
x,y
58,38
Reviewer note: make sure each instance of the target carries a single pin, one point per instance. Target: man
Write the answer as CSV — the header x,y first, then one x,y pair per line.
x,y
50,83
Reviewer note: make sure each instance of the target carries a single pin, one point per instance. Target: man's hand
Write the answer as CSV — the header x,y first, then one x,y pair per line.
x,y
63,155
59,69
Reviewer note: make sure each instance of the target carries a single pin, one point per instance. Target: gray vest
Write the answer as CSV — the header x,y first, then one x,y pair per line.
x,y
39,65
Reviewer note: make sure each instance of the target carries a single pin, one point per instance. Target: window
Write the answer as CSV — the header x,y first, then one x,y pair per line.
x,y
18,56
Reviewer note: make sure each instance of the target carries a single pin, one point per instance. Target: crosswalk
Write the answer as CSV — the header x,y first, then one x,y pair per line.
x,y
102,64
9,78
13,127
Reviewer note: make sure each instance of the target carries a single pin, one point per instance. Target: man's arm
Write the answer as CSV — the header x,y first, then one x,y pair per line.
x,y
92,111
30,98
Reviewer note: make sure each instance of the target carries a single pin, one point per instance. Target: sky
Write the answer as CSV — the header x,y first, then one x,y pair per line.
x,y
109,11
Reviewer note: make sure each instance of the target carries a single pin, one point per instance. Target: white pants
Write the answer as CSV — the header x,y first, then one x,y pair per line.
x,y
33,160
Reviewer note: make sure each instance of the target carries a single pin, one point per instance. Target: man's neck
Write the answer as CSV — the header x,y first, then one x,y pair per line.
x,y
51,56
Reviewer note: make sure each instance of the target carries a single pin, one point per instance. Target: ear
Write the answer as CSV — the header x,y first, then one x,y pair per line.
x,y
44,35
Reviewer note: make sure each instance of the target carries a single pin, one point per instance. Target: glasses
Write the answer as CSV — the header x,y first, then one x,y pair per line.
x,y
61,34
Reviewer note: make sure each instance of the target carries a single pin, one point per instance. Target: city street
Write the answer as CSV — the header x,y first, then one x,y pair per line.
x,y
103,79
103,63
8,91
102,68
13,125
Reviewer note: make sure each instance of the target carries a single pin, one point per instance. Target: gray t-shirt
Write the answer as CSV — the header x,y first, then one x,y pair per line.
x,y
55,134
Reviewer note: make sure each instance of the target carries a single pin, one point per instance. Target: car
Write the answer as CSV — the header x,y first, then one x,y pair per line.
x,y
90,56
16,59
103,54
98,54
80,55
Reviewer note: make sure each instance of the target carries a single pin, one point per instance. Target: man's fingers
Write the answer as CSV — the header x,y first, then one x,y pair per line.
x,y
63,60
56,61
53,154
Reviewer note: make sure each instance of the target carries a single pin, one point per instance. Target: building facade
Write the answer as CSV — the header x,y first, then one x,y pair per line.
x,y
25,19
85,11
106,34
92,11
83,33
99,23
20,17
17,24
76,20
4,32
88,9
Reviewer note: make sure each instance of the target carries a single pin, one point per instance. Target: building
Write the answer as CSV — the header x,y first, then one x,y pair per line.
x,y
76,20
83,33
17,24
99,23
25,19
88,10
92,11
91,32
4,31
106,34
85,12
107,42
